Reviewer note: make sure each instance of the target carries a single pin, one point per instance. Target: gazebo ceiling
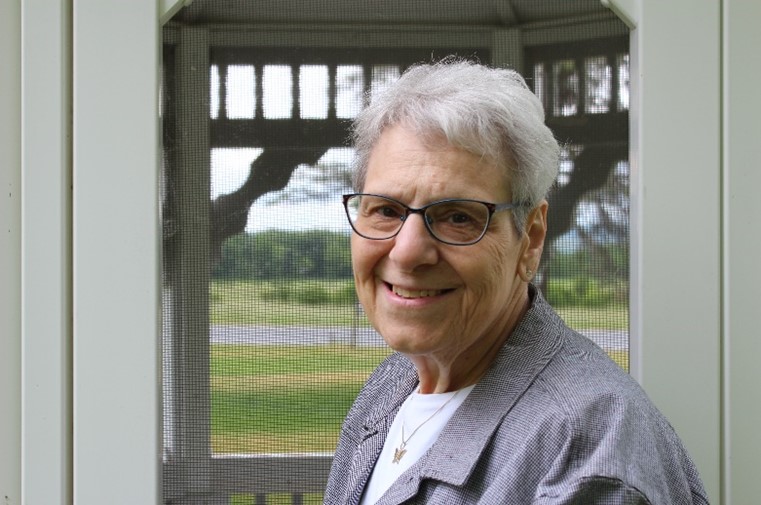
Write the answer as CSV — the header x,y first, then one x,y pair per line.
x,y
413,12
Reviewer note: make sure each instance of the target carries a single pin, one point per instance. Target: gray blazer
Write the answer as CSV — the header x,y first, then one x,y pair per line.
x,y
554,421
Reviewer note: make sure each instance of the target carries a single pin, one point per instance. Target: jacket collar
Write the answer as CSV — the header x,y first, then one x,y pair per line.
x,y
401,381
455,454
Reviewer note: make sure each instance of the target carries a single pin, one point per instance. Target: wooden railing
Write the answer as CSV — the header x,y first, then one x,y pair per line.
x,y
248,479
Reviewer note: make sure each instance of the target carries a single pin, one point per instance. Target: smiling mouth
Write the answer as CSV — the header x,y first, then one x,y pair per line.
x,y
414,293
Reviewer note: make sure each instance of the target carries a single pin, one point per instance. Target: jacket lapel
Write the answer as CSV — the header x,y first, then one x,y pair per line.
x,y
375,430
456,453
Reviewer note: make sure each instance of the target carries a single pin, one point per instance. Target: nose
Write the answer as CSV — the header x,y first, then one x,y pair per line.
x,y
413,245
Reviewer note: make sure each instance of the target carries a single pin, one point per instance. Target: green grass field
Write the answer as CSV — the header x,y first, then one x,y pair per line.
x,y
272,399
268,399
260,302
274,303
279,399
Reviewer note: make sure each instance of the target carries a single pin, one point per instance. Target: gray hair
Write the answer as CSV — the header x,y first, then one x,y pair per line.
x,y
487,111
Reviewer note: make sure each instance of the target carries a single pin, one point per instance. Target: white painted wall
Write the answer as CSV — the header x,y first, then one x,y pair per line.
x,y
115,254
45,245
10,251
695,229
676,220
741,249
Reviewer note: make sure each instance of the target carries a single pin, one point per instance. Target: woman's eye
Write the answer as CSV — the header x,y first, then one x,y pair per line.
x,y
456,217
389,212
460,218
384,212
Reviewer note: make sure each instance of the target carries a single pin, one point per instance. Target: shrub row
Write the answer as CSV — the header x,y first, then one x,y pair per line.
x,y
597,278
568,292
585,292
312,292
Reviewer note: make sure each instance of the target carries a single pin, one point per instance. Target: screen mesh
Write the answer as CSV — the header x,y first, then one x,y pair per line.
x,y
265,344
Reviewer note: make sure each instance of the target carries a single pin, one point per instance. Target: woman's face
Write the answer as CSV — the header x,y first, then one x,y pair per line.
x,y
424,297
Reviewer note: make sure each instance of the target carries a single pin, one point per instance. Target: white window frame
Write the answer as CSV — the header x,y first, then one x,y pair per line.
x,y
696,284
115,253
82,262
741,248
10,251
87,336
675,219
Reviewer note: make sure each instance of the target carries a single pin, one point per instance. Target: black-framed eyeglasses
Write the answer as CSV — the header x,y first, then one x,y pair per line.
x,y
454,221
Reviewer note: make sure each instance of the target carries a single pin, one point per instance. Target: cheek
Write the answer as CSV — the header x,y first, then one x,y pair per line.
x,y
358,257
365,255
498,267
360,277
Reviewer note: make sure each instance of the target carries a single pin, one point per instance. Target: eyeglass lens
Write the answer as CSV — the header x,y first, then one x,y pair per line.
x,y
455,221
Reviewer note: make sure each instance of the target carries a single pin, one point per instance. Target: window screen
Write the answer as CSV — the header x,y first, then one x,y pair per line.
x,y
264,342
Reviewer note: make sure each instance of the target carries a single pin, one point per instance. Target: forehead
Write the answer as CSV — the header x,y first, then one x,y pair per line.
x,y
404,164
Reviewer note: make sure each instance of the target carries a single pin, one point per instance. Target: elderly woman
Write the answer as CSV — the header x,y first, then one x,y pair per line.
x,y
490,398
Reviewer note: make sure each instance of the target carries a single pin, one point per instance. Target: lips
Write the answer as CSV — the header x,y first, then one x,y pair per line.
x,y
417,293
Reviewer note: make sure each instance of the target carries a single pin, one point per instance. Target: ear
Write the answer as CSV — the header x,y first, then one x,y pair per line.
x,y
533,241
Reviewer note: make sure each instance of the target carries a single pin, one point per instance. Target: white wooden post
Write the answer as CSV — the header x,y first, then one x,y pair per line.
x,y
675,219
116,230
46,252
10,251
741,250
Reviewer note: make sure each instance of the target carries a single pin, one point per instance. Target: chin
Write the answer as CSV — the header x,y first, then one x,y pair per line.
x,y
409,341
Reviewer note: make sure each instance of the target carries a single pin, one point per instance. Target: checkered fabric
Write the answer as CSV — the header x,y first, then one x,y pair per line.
x,y
553,421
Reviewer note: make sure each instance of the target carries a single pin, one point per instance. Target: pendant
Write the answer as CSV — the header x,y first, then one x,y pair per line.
x,y
399,454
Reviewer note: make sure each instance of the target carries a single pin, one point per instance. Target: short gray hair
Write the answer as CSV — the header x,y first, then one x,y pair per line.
x,y
486,111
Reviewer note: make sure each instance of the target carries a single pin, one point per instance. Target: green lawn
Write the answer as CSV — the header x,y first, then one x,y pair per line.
x,y
595,318
277,499
269,399
293,398
281,303
275,399
280,399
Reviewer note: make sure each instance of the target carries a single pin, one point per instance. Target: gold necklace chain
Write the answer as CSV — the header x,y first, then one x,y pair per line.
x,y
400,451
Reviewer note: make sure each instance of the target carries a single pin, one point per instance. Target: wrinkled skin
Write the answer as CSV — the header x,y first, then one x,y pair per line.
x,y
448,308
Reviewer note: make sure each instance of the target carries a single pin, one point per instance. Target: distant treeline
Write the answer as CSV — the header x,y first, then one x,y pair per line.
x,y
591,277
271,255
319,254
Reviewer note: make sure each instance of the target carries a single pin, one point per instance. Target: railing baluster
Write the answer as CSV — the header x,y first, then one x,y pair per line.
x,y
332,91
295,95
259,87
222,91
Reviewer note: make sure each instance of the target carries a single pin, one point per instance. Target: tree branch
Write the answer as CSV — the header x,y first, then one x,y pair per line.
x,y
271,171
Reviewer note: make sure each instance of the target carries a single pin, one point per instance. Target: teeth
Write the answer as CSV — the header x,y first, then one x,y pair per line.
x,y
406,293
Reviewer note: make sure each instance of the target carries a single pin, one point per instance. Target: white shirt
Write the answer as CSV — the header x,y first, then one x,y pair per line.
x,y
423,417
